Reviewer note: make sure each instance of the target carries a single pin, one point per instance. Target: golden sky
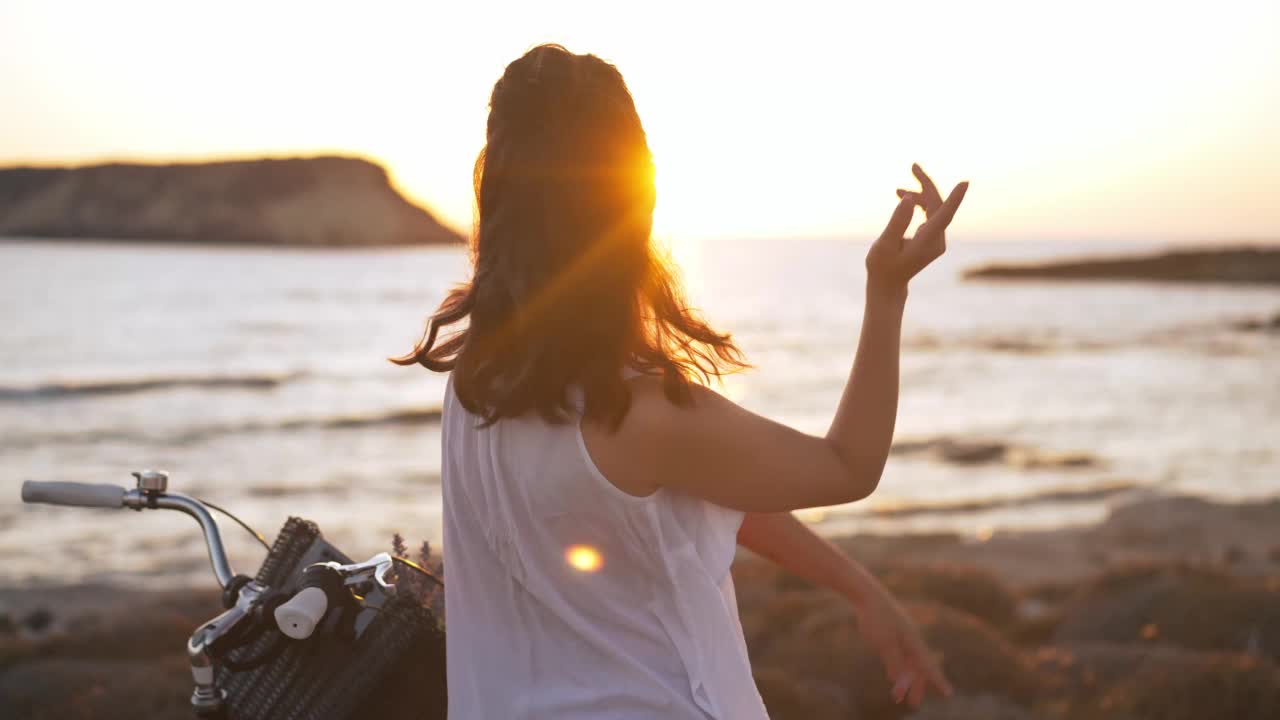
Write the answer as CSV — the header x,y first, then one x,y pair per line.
x,y
1086,119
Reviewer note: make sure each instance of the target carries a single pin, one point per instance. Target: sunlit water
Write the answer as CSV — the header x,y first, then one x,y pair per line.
x,y
258,379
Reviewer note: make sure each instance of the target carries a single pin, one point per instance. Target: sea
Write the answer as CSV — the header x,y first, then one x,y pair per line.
x,y
258,378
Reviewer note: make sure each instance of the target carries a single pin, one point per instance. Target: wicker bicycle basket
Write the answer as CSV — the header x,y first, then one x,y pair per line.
x,y
395,668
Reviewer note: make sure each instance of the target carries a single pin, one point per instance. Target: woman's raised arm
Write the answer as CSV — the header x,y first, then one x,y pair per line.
x,y
719,451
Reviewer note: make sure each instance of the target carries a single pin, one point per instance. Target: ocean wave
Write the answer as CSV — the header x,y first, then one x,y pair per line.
x,y
62,389
1214,337
391,418
1258,324
1085,493
1011,345
402,417
968,451
268,490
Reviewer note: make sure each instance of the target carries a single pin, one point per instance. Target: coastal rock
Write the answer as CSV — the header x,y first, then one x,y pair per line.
x,y
977,451
1184,606
121,656
972,707
56,689
1156,683
1201,686
134,625
1221,265
806,654
314,202
1189,529
770,619
808,644
1271,324
975,658
968,589
957,451
787,697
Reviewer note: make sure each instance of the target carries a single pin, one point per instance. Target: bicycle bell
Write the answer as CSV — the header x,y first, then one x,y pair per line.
x,y
152,481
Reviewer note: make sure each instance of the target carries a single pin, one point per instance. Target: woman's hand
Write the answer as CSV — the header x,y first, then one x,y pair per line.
x,y
907,661
894,259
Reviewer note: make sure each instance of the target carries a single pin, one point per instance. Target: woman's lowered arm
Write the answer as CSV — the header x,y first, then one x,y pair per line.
x,y
782,538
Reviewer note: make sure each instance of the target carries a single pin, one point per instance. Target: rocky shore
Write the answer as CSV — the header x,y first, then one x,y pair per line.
x,y
1249,265
312,202
1169,609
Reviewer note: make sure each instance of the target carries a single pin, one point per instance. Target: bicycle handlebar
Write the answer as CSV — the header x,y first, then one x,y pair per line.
x,y
71,493
296,618
114,496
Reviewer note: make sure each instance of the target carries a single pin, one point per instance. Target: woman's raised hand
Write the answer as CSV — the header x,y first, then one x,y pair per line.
x,y
894,259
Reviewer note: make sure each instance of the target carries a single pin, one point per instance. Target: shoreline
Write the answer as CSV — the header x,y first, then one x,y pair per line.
x,y
1144,526
1167,529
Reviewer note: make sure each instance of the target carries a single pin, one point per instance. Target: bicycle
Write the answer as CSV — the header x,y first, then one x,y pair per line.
x,y
312,635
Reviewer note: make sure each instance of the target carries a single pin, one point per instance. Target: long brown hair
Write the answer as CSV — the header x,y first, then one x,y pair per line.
x,y
567,285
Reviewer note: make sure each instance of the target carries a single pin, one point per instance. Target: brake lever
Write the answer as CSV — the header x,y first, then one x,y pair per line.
x,y
375,569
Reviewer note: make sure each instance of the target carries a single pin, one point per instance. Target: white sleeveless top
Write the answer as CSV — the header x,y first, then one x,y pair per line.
x,y
568,598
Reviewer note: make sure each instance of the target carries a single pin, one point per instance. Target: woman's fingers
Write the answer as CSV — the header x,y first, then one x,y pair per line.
x,y
929,241
940,681
886,251
933,669
902,686
916,198
928,189
928,671
911,669
917,692
914,679
895,662
899,221
942,218
897,668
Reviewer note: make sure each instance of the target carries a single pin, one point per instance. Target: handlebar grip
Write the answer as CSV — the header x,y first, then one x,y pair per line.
x,y
69,493
298,617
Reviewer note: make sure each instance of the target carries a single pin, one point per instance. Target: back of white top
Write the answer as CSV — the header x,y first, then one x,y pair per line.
x,y
568,598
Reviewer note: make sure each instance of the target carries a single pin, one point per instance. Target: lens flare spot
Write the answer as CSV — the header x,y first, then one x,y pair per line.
x,y
584,558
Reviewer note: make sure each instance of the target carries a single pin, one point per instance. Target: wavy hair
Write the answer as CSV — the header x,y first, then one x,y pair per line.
x,y
567,286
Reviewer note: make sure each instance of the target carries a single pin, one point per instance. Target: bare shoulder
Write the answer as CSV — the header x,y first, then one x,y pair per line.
x,y
631,457
652,411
